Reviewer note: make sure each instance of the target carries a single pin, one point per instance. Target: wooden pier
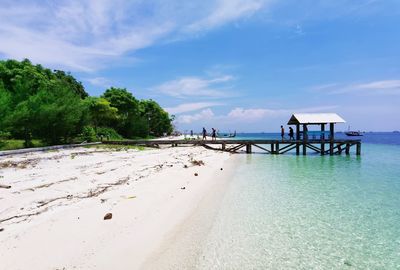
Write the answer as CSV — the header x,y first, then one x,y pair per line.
x,y
275,147
318,141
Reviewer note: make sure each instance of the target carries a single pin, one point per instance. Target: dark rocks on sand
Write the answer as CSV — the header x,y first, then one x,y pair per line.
x,y
185,166
183,187
1,229
196,174
221,169
108,216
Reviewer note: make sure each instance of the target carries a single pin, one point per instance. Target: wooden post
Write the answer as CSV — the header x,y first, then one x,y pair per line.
x,y
272,148
322,139
305,138
277,148
332,137
297,139
358,149
223,146
347,149
339,149
248,148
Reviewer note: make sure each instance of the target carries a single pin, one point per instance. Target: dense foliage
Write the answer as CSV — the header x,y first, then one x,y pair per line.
x,y
37,103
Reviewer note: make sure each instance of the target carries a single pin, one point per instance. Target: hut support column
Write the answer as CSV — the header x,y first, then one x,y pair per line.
x,y
297,139
223,146
305,138
322,139
332,137
277,149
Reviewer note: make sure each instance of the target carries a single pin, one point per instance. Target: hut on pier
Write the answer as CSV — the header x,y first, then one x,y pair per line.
x,y
303,120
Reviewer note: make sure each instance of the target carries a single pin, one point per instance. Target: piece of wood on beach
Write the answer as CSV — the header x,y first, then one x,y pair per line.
x,y
5,186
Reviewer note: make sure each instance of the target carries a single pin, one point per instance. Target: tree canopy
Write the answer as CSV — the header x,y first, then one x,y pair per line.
x,y
54,107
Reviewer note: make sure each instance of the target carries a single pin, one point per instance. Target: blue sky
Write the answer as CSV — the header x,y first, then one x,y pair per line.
x,y
243,65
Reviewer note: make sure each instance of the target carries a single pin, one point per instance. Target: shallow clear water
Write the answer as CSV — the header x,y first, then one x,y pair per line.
x,y
296,212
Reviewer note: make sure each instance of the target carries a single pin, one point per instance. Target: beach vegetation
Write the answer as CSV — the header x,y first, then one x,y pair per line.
x,y
12,144
100,112
52,107
89,134
108,133
118,147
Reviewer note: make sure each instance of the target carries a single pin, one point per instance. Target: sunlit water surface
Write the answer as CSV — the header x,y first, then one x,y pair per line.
x,y
296,212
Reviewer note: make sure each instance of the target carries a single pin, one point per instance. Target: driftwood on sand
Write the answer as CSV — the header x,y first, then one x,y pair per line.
x,y
4,186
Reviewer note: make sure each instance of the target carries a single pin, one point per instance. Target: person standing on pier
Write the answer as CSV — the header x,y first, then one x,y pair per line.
x,y
282,133
291,134
204,134
214,134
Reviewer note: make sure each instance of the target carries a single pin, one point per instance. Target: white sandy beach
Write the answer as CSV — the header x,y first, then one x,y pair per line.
x,y
52,216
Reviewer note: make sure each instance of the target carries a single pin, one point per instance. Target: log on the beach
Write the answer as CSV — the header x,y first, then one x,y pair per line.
x,y
4,186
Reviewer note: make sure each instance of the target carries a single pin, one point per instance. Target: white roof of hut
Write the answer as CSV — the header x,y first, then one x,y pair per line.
x,y
315,118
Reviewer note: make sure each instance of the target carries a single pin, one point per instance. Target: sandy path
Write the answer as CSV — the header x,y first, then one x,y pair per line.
x,y
52,217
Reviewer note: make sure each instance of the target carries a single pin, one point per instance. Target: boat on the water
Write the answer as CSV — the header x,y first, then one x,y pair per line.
x,y
353,133
227,135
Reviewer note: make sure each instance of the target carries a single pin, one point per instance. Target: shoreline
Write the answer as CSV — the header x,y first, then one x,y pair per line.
x,y
182,247
58,200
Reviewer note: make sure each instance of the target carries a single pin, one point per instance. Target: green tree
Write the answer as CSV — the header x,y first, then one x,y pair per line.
x,y
100,112
37,102
13,72
128,110
89,134
5,100
60,116
73,84
159,121
54,114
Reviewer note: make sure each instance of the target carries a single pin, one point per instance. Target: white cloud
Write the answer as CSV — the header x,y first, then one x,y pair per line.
x,y
189,107
384,87
99,81
241,114
86,35
203,115
224,11
388,84
323,87
247,115
195,86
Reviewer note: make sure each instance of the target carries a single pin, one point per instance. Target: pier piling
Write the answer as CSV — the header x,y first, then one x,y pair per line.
x,y
248,148
358,149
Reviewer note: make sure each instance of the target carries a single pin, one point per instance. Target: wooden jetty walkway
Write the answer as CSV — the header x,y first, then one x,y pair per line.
x,y
322,147
322,141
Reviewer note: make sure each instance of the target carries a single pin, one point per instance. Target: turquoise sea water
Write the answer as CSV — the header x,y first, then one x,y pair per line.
x,y
312,212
